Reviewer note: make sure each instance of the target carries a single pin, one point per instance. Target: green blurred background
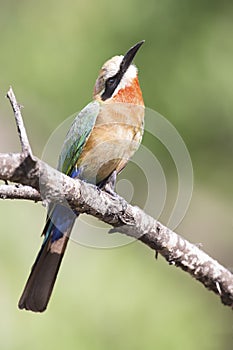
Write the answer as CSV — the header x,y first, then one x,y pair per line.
x,y
50,52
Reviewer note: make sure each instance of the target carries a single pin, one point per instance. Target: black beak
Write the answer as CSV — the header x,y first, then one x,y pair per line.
x,y
129,56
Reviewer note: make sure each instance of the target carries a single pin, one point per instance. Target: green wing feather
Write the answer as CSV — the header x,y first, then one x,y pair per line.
x,y
77,137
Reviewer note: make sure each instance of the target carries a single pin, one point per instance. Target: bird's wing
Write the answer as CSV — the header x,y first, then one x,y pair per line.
x,y
77,137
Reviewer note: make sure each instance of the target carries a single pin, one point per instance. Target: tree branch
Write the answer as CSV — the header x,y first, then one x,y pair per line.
x,y
19,192
39,181
26,148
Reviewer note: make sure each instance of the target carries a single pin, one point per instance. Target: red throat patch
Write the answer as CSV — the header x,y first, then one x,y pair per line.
x,y
130,94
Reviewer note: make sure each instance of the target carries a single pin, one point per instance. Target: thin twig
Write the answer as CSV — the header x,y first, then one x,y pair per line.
x,y
25,145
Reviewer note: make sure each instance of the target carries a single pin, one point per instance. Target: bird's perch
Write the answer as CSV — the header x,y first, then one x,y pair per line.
x,y
38,181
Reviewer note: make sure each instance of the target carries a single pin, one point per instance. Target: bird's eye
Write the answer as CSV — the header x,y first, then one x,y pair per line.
x,y
111,81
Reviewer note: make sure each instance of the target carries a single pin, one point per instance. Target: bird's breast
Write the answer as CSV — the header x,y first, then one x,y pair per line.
x,y
115,137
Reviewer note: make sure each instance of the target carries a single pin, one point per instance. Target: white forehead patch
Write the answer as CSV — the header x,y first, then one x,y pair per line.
x,y
111,67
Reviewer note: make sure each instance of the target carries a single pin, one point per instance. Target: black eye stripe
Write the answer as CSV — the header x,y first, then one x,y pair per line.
x,y
111,85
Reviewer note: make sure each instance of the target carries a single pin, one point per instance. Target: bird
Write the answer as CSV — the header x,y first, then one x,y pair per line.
x,y
100,142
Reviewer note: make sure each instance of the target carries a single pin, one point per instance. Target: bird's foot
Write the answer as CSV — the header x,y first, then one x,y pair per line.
x,y
109,184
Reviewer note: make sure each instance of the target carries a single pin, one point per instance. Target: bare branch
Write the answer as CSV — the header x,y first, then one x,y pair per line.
x,y
47,183
126,219
26,148
19,192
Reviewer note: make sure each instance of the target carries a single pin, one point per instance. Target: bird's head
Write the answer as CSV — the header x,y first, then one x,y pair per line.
x,y
117,80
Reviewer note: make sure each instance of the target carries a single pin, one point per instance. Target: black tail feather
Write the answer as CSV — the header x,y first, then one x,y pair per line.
x,y
40,283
